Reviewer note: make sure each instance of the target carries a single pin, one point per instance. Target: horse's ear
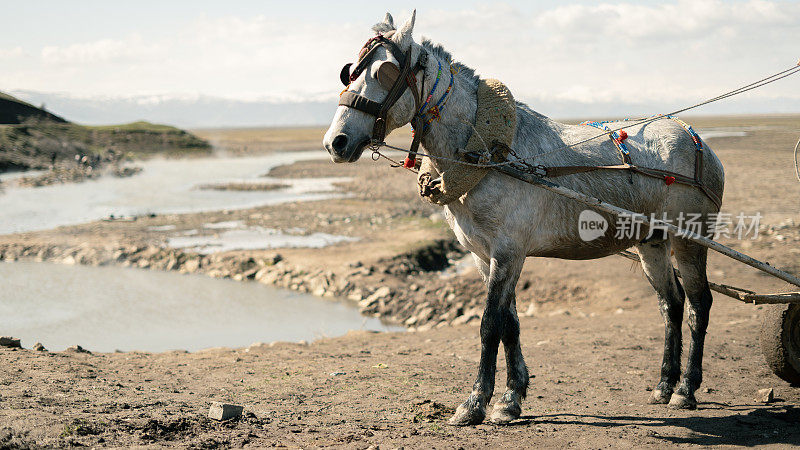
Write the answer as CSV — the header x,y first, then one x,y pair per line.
x,y
388,73
388,20
403,37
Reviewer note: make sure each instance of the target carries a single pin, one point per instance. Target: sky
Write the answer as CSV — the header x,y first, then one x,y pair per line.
x,y
581,54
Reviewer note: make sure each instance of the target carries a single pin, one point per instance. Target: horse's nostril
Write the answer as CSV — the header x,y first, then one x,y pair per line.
x,y
339,142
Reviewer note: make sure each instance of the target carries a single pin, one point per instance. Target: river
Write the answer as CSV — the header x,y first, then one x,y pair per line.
x,y
113,308
165,186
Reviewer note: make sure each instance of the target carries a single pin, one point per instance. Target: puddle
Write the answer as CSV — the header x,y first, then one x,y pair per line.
x,y
113,308
231,224
16,175
254,238
161,228
711,133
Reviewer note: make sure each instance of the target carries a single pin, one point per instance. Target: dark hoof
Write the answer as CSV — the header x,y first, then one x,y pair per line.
x,y
504,413
659,397
468,413
679,401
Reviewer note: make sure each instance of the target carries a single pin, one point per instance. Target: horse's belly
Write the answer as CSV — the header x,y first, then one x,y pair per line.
x,y
582,250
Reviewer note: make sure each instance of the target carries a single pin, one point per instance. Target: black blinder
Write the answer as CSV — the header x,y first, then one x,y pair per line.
x,y
344,75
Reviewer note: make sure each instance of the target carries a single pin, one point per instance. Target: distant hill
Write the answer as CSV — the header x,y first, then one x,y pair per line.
x,y
205,111
32,138
188,111
15,111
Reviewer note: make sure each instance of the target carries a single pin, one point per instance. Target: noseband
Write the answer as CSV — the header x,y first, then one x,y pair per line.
x,y
405,79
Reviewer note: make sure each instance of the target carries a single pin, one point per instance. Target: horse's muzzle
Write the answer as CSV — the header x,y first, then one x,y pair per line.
x,y
343,148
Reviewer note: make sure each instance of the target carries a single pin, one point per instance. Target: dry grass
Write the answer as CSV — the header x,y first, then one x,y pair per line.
x,y
269,139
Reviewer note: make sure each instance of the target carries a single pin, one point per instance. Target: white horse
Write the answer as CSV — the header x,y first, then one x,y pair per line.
x,y
503,220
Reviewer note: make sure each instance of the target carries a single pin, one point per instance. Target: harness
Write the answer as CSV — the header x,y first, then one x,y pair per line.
x,y
396,81
618,139
669,177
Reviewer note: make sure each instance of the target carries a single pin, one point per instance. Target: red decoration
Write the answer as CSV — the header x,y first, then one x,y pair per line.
x,y
669,180
409,162
623,135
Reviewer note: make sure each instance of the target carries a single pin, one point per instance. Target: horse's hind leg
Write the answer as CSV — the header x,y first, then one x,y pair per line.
x,y
691,260
497,323
658,270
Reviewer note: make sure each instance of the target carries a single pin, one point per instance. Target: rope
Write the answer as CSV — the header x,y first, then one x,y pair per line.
x,y
796,168
754,85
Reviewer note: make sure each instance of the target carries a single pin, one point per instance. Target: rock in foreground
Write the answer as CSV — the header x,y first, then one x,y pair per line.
x,y
224,411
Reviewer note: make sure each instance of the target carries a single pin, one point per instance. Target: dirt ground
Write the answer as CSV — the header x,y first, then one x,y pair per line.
x,y
591,334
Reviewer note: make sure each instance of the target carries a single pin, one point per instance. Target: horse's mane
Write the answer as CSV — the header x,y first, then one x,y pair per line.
x,y
436,49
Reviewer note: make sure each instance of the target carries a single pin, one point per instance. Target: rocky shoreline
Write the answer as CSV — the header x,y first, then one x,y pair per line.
x,y
408,289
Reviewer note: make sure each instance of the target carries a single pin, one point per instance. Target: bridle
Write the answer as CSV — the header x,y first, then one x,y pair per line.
x,y
395,80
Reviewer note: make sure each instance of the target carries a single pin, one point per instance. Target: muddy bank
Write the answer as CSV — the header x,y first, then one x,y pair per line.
x,y
243,186
591,377
69,173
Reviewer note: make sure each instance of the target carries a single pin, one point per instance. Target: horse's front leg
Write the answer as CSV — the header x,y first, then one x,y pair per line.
x,y
498,322
508,407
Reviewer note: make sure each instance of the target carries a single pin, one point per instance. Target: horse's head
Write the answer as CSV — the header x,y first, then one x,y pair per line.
x,y
381,91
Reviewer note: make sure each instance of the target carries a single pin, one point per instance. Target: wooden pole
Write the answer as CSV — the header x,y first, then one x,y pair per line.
x,y
734,292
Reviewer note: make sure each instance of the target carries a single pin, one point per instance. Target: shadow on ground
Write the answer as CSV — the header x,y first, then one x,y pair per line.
x,y
757,426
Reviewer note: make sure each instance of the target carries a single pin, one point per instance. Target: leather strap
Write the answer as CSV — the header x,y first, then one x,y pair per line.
x,y
560,171
353,100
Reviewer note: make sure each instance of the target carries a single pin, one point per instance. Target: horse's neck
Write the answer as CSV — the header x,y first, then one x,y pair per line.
x,y
538,133
454,128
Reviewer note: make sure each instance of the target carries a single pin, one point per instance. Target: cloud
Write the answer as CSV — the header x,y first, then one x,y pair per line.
x,y
615,52
128,50
682,20
11,52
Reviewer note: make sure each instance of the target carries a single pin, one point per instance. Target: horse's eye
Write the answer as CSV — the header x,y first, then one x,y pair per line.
x,y
388,73
344,75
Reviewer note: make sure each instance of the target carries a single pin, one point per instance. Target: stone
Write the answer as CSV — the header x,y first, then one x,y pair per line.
x,y
532,310
77,349
461,320
367,302
250,274
257,347
426,313
425,327
191,265
224,411
10,342
766,395
39,347
381,292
